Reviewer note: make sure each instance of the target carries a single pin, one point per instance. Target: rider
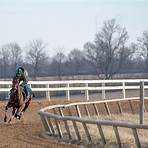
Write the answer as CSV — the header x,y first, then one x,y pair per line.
x,y
22,74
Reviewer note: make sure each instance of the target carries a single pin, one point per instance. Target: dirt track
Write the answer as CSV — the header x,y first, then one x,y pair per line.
x,y
27,133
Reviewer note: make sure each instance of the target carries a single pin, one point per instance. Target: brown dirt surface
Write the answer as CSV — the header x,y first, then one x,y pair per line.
x,y
28,133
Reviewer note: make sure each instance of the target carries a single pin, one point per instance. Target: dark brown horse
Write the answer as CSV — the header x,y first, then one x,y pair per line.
x,y
17,101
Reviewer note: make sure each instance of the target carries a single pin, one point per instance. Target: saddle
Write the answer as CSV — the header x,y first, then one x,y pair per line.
x,y
26,93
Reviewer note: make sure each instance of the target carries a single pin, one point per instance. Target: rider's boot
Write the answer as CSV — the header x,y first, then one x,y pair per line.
x,y
27,98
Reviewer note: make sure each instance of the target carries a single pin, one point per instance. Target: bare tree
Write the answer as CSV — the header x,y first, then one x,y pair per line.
x,y
58,61
75,58
15,55
5,61
108,51
36,56
143,48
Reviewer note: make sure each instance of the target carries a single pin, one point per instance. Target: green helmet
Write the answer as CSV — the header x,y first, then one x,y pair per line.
x,y
19,71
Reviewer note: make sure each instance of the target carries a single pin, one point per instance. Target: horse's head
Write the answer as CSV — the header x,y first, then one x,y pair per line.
x,y
15,83
14,90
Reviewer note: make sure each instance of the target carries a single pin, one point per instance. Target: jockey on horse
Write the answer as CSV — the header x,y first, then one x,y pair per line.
x,y
22,75
20,95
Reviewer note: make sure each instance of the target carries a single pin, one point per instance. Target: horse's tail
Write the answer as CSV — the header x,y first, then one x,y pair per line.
x,y
5,118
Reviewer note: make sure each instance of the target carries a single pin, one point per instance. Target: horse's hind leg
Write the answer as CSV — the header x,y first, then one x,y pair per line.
x,y
26,105
19,112
23,109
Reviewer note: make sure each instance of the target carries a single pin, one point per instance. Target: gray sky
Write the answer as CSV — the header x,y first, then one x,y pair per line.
x,y
67,23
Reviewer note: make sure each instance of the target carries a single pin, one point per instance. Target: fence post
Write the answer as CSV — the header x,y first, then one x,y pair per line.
x,y
47,92
86,92
103,91
123,90
9,86
141,102
67,92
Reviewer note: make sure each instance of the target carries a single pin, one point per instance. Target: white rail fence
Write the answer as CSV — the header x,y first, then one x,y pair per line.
x,y
80,85
57,118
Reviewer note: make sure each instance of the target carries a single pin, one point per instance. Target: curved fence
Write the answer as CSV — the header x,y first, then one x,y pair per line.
x,y
64,120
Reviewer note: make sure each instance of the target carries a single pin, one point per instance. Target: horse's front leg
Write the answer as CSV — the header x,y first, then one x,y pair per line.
x,y
9,104
13,114
6,109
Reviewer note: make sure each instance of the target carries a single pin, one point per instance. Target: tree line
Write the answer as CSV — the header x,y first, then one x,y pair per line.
x,y
109,54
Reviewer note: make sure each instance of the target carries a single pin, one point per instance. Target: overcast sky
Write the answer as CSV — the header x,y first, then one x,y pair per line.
x,y
67,24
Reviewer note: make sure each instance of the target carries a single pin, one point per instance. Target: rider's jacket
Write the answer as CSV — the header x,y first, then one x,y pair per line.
x,y
22,75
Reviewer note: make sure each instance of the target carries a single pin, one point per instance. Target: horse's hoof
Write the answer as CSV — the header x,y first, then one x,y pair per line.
x,y
9,121
18,117
5,119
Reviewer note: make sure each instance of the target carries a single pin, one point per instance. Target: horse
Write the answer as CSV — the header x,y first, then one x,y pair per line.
x,y
17,101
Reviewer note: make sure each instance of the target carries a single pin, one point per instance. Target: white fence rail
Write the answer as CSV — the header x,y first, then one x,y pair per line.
x,y
80,85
